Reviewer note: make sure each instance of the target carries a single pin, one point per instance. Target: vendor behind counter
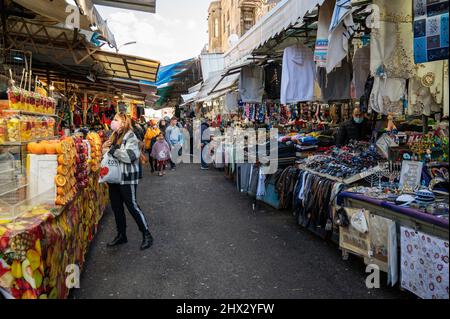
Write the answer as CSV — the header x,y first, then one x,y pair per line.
x,y
358,128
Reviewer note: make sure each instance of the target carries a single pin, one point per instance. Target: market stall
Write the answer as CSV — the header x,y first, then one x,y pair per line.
x,y
58,91
374,179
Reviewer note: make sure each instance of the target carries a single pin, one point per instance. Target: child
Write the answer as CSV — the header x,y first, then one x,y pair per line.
x,y
161,152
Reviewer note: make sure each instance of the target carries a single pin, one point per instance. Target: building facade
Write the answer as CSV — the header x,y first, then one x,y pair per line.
x,y
228,19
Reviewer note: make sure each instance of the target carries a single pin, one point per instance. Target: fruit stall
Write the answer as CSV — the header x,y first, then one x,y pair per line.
x,y
50,199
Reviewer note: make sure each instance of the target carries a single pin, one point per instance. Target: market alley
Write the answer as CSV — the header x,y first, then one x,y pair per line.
x,y
210,244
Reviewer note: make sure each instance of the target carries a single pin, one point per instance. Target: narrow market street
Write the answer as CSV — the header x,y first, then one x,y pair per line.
x,y
210,244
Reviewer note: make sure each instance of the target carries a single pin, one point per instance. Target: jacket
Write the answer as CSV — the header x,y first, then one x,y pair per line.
x,y
139,132
204,138
351,130
161,151
128,153
150,135
174,136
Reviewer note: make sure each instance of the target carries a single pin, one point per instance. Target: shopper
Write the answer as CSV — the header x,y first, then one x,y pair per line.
x,y
150,138
358,128
205,140
175,139
163,126
161,152
137,130
124,146
143,123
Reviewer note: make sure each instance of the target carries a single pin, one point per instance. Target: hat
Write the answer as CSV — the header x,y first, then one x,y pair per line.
x,y
425,196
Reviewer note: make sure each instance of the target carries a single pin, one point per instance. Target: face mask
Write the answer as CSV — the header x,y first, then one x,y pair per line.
x,y
358,120
115,126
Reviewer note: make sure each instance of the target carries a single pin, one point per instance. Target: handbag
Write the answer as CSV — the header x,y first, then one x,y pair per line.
x,y
110,171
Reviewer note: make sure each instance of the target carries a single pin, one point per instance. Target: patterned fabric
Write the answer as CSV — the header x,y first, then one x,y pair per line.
x,y
128,155
430,30
424,264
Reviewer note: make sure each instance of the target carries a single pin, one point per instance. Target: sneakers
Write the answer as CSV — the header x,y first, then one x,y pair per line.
x,y
204,168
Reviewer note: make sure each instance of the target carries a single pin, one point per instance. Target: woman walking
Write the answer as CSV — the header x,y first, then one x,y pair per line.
x,y
124,147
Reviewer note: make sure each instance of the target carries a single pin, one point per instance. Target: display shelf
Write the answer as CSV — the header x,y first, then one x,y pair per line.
x,y
346,181
29,113
31,141
7,170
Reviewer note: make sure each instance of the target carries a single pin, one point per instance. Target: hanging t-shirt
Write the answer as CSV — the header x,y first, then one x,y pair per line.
x,y
361,69
336,85
273,81
251,84
298,76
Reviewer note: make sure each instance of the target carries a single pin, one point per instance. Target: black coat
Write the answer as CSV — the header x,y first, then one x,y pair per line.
x,y
351,130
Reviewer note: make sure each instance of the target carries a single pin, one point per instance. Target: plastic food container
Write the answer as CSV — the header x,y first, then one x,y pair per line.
x,y
13,128
14,98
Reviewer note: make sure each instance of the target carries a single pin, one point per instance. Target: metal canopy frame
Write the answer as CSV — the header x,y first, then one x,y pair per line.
x,y
26,35
127,66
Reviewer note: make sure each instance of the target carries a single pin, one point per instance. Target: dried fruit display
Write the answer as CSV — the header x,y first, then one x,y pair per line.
x,y
37,247
96,151
25,128
65,179
81,167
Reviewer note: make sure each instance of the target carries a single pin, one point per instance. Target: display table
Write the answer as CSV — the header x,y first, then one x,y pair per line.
x,y
405,216
37,248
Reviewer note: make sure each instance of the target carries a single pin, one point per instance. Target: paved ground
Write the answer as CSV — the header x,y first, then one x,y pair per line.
x,y
210,244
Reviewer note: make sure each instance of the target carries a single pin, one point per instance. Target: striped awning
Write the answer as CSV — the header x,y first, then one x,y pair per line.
x,y
127,66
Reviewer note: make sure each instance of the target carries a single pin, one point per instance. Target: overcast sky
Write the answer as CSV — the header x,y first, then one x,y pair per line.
x,y
178,31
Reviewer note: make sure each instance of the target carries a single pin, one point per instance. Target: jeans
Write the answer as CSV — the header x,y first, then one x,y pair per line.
x,y
126,194
204,164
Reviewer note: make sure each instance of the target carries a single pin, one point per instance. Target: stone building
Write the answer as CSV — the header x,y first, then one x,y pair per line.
x,y
228,19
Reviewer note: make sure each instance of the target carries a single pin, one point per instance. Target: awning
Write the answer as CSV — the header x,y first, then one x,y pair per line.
x,y
286,14
211,88
189,97
127,66
56,10
139,5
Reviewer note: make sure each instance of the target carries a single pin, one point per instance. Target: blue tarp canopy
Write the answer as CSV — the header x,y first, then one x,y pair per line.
x,y
168,74
168,78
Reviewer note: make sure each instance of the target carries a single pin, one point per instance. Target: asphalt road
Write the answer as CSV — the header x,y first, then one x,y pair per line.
x,y
210,244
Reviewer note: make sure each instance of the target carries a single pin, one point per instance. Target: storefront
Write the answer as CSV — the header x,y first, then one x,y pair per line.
x,y
381,192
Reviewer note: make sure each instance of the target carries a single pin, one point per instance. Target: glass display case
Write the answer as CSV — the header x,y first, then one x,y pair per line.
x,y
18,127
15,198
